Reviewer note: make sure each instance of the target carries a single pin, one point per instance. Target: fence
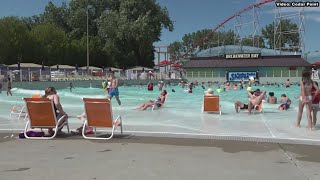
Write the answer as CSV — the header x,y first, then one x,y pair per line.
x,y
267,74
153,76
40,75
71,75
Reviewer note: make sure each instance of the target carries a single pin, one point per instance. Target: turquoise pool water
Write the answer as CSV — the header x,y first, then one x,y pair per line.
x,y
178,102
181,113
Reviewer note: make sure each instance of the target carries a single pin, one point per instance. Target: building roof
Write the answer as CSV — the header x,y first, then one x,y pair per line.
x,y
264,61
27,65
229,49
61,66
139,68
114,69
91,68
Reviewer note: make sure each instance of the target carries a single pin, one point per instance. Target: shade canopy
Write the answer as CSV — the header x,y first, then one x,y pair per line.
x,y
91,68
27,65
176,65
63,66
316,63
113,69
165,62
139,68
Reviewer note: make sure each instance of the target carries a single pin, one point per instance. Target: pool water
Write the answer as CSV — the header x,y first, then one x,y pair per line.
x,y
181,112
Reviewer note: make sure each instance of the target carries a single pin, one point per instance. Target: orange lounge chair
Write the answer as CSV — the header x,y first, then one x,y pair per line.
x,y
259,108
42,115
99,114
211,104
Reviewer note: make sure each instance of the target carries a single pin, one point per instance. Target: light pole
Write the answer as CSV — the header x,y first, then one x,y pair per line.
x,y
88,40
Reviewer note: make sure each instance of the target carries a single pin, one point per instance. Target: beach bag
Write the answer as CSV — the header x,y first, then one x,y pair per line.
x,y
31,134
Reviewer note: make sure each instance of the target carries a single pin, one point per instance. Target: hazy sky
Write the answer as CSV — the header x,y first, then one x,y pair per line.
x,y
191,15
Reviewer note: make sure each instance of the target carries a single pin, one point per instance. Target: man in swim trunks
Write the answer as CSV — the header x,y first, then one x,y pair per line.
x,y
114,88
240,105
255,100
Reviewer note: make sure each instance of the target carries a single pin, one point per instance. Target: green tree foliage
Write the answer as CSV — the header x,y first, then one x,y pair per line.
x,y
287,39
131,28
121,33
189,40
14,40
49,44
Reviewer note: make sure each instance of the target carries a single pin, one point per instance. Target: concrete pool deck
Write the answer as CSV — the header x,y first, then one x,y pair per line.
x,y
145,158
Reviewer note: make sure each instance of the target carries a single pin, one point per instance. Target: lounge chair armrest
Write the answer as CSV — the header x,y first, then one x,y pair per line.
x,y
118,121
61,118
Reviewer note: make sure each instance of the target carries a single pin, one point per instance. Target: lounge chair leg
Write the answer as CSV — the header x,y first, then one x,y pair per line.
x,y
26,136
121,124
98,138
68,128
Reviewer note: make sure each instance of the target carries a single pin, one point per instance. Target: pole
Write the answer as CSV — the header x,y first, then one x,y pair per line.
x,y
20,75
88,40
40,75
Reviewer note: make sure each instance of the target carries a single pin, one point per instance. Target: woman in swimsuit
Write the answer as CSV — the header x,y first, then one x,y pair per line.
x,y
306,97
158,102
51,93
9,87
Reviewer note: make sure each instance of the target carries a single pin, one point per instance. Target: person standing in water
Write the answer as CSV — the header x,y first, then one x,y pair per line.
x,y
71,87
114,88
9,87
0,87
306,97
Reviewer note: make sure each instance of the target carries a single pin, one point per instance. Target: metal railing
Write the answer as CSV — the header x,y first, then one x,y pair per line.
x,y
267,74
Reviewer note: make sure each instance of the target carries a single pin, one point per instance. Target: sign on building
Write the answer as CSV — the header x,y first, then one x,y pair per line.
x,y
239,76
243,56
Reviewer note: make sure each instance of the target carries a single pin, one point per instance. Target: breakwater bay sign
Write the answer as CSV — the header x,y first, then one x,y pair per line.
x,y
243,56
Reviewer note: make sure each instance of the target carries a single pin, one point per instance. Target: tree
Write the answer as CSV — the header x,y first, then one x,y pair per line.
x,y
175,49
14,40
56,15
130,29
210,40
257,41
49,43
121,33
287,39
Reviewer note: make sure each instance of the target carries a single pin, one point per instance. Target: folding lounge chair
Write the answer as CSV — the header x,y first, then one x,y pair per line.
x,y
154,107
211,104
258,108
42,115
21,110
99,114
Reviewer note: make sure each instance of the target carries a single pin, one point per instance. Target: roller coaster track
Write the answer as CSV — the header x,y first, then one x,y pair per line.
x,y
220,25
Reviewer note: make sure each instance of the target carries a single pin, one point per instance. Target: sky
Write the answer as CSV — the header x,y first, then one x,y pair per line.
x,y
192,15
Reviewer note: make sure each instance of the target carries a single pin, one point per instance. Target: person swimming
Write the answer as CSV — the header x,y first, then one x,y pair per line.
x,y
150,87
219,89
